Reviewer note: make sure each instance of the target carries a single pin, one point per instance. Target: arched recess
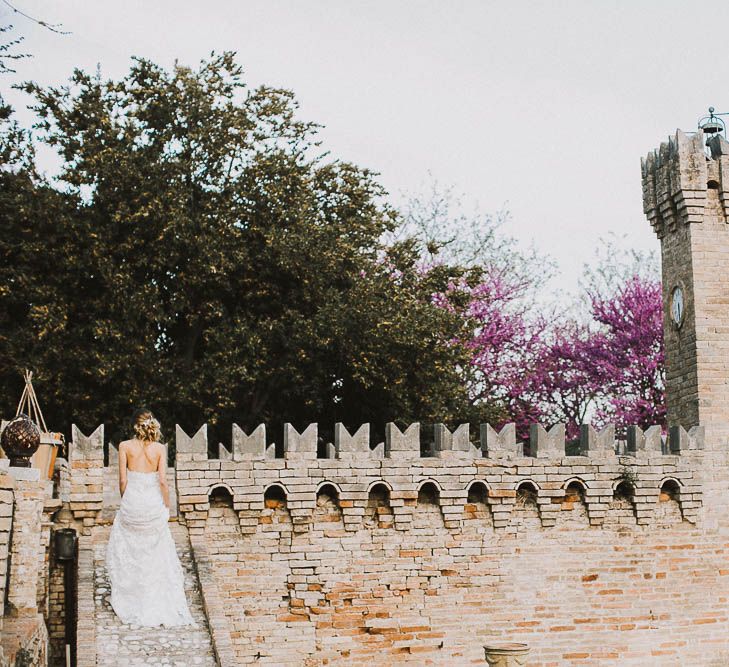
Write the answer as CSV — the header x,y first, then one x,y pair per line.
x,y
220,495
669,510
526,508
379,482
528,490
378,512
477,511
334,490
328,508
275,496
621,511
574,491
573,508
429,493
428,514
275,512
671,486
624,489
477,492
222,525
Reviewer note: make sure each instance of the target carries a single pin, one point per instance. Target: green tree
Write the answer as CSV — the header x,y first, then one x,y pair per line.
x,y
200,253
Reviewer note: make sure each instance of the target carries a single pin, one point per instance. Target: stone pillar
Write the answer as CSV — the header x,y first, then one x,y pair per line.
x,y
86,461
7,498
25,550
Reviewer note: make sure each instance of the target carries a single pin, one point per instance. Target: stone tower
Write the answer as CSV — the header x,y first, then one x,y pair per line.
x,y
686,200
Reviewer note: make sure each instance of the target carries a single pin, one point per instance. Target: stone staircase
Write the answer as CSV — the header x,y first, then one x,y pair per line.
x,y
118,645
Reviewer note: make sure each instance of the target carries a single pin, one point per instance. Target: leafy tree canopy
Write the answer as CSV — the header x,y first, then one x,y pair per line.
x,y
201,254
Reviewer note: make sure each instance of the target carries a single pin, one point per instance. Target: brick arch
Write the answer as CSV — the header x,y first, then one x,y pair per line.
x,y
672,487
429,493
430,480
576,480
377,482
378,510
276,485
478,481
327,482
220,485
524,482
674,480
618,482
227,497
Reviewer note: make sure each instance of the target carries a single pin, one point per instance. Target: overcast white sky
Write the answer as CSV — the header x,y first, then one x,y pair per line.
x,y
545,107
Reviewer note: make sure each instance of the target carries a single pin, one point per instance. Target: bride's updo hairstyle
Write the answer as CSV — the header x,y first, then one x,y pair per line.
x,y
146,427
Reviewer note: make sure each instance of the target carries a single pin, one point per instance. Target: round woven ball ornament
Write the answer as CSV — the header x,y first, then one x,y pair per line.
x,y
20,439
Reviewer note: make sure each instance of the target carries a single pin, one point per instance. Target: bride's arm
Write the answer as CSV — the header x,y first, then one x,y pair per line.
x,y
122,468
162,469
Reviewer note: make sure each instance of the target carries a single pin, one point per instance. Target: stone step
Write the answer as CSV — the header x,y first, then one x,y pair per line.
x,y
119,645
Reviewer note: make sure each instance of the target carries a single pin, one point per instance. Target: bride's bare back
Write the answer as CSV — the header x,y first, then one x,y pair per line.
x,y
136,456
141,457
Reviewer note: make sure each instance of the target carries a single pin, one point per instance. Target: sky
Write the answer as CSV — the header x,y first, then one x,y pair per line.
x,y
541,108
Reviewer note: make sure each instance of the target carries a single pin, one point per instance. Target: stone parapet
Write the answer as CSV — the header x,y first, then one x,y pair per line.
x,y
214,605
27,548
649,464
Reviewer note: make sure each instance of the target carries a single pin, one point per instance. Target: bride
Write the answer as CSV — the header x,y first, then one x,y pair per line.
x,y
147,583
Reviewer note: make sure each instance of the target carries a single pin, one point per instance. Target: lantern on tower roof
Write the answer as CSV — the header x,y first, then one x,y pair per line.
x,y
712,123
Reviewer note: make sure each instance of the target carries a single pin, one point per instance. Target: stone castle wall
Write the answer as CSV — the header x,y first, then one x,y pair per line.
x,y
381,556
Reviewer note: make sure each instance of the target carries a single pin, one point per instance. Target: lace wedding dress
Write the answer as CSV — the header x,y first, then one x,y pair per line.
x,y
147,582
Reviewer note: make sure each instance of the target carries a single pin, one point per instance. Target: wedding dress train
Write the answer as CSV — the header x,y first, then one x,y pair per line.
x,y
147,582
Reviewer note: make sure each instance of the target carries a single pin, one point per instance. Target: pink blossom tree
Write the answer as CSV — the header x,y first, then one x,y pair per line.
x,y
628,357
604,364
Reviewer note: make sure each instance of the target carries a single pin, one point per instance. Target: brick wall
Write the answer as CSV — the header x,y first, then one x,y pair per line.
x,y
56,616
382,556
7,495
26,509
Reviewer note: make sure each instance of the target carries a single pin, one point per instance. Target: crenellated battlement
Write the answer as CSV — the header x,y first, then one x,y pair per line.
x,y
407,444
639,469
679,178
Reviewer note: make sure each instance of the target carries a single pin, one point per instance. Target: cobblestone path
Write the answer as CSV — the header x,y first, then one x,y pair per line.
x,y
119,645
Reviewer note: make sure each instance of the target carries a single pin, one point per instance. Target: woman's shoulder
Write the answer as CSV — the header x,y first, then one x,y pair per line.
x,y
156,447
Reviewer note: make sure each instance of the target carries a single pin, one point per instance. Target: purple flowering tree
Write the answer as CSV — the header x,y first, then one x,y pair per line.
x,y
605,364
627,353
608,369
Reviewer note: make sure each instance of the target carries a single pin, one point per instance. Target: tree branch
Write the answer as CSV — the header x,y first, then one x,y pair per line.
x,y
53,27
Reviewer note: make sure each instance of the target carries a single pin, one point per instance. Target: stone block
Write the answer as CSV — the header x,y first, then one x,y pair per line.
x,y
249,447
300,445
196,446
499,444
402,445
352,444
547,444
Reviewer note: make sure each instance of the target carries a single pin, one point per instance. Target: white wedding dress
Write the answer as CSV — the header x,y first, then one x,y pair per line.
x,y
147,582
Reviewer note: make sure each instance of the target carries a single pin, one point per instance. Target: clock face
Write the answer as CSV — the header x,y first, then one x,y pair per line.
x,y
677,305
